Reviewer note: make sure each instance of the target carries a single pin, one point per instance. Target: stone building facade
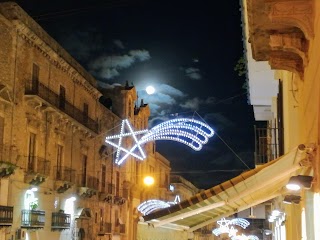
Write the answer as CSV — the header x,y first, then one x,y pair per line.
x,y
58,179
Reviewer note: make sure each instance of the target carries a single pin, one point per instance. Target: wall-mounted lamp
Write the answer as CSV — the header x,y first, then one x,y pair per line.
x,y
288,199
297,182
34,189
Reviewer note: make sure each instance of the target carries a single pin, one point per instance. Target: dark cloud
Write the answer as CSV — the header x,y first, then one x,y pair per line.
x,y
118,43
193,73
108,66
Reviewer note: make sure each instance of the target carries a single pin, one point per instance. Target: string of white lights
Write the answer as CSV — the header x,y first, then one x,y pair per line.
x,y
245,237
190,132
152,205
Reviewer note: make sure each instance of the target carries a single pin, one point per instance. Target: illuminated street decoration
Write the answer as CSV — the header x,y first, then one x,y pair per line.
x,y
245,237
227,226
152,205
126,124
190,132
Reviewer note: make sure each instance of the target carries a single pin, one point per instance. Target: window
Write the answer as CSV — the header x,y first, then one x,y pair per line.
x,y
35,77
85,112
84,170
103,177
166,180
101,219
59,161
117,183
62,98
137,171
1,138
116,215
130,108
32,152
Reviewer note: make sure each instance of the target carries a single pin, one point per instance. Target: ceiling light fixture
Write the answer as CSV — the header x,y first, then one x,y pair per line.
x,y
297,182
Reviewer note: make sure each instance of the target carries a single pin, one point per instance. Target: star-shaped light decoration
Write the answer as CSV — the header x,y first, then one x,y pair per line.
x,y
122,153
190,132
227,226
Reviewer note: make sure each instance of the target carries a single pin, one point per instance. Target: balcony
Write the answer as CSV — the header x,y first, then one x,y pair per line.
x,y
268,144
65,177
122,228
53,99
37,170
60,221
32,219
6,169
105,228
6,216
88,185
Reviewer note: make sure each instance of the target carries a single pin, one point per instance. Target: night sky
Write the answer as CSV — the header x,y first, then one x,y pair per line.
x,y
187,51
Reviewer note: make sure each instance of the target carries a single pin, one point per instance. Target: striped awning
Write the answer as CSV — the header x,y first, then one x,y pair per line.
x,y
244,191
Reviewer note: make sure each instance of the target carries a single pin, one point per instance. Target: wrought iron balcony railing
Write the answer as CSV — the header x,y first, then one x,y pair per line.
x,y
105,228
38,165
122,228
65,174
60,221
40,90
6,215
88,181
32,218
268,144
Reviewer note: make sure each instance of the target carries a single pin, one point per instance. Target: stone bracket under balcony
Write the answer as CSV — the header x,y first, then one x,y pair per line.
x,y
111,199
6,169
86,192
61,186
34,178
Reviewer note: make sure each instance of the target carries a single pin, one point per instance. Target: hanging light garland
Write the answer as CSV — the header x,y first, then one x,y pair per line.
x,y
190,132
152,205
224,226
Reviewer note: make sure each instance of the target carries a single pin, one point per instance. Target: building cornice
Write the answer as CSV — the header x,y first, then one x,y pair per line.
x,y
58,60
35,35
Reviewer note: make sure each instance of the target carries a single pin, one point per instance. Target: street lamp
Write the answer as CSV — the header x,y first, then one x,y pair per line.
x,y
148,181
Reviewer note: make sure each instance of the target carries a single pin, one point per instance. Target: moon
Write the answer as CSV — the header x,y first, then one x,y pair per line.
x,y
150,90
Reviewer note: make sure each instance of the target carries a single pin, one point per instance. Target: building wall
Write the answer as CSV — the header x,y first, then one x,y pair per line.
x,y
291,47
30,106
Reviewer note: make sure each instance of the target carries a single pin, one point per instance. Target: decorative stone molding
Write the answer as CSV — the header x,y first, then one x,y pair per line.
x,y
287,61
6,95
62,186
75,73
295,14
6,169
291,43
33,120
86,192
34,179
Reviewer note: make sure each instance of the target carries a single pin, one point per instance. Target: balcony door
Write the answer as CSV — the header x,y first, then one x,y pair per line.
x,y
84,170
35,78
59,162
32,152
62,98
85,112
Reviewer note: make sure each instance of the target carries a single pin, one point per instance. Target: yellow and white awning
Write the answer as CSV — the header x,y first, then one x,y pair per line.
x,y
244,191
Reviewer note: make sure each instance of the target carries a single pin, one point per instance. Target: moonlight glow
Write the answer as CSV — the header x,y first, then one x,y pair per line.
x,y
150,90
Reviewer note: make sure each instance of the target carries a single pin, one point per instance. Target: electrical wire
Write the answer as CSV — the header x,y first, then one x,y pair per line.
x,y
81,10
